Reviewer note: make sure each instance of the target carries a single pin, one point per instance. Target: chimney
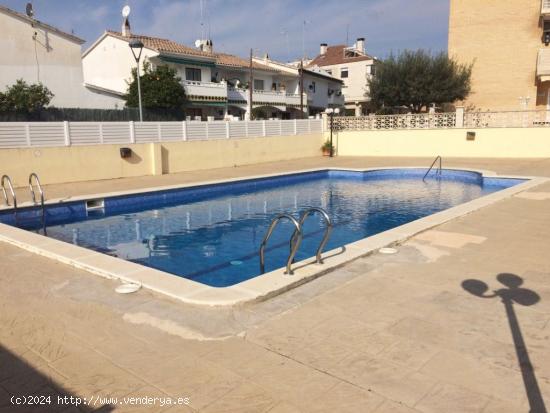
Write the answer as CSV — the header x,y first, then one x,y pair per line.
x,y
323,50
205,45
360,45
126,28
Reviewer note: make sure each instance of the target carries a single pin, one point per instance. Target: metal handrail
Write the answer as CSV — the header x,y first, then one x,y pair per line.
x,y
438,172
328,229
33,196
6,178
298,239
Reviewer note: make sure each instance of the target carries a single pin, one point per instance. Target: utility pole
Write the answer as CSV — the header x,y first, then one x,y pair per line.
x,y
302,88
250,87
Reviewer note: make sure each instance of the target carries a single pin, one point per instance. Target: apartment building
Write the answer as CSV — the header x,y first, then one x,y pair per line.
x,y
508,43
216,84
354,67
321,89
38,52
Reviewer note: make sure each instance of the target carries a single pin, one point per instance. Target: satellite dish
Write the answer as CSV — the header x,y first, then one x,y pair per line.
x,y
29,10
198,43
126,11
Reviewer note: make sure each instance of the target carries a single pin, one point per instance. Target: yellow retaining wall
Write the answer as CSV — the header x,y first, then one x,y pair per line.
x,y
488,143
87,163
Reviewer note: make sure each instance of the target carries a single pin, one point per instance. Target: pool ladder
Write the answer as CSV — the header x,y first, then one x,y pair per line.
x,y
437,172
296,238
7,179
33,197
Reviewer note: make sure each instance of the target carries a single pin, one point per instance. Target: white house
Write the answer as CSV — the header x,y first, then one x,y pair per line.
x,y
216,84
37,52
321,88
352,65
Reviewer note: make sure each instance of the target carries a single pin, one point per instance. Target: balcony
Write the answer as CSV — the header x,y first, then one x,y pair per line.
x,y
545,8
543,65
205,91
335,100
266,97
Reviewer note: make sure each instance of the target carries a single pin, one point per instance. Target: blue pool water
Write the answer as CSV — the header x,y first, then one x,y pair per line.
x,y
211,234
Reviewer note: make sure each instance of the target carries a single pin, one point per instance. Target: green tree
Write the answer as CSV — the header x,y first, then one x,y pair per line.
x,y
22,97
160,89
416,79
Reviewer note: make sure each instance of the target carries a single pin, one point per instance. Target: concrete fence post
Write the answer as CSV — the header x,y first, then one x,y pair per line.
x,y
227,132
184,130
28,134
132,128
295,127
263,128
67,133
459,123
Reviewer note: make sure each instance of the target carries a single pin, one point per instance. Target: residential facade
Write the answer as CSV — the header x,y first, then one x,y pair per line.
x,y
37,52
216,84
321,90
508,43
354,67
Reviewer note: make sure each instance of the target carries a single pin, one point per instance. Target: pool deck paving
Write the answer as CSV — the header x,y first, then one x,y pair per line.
x,y
385,334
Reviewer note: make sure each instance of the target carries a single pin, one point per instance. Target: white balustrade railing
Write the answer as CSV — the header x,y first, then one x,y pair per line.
x,y
36,134
388,122
511,119
448,120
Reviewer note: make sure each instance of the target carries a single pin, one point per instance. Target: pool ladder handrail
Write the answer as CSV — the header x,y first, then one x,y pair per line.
x,y
328,229
294,246
438,171
33,196
6,178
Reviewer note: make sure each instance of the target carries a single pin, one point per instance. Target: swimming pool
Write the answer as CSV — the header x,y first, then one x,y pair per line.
x,y
211,234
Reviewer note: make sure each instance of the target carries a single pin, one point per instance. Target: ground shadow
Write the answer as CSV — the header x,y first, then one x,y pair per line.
x,y
514,294
23,389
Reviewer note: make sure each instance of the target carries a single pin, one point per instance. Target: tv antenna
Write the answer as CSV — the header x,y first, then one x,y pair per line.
x,y
303,38
29,10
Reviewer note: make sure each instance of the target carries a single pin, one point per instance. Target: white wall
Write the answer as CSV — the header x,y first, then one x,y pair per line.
x,y
356,82
51,59
109,64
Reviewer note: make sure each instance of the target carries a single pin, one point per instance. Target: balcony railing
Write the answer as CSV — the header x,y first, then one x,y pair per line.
x,y
273,97
543,63
545,8
205,89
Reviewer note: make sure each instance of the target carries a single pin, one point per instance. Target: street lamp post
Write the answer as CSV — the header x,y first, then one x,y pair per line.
x,y
331,112
136,46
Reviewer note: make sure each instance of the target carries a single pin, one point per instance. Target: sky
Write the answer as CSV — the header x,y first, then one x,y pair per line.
x,y
273,26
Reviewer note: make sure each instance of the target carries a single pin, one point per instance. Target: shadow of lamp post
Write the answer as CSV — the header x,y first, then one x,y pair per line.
x,y
511,295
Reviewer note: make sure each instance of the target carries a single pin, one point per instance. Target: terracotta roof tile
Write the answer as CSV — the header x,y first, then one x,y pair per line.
x,y
224,59
335,56
163,45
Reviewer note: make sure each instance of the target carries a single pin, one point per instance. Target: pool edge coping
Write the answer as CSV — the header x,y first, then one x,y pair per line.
x,y
258,288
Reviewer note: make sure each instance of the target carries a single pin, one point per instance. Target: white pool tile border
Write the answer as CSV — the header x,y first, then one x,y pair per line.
x,y
257,288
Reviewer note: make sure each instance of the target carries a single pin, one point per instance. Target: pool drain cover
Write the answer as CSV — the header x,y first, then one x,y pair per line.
x,y
387,250
128,288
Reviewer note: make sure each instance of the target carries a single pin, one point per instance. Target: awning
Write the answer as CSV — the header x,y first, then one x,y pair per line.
x,y
183,61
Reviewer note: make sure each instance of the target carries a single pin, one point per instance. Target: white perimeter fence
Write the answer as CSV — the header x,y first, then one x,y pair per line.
x,y
37,134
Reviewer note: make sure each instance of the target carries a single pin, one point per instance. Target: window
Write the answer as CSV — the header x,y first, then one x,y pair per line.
x,y
193,74
312,87
258,84
344,72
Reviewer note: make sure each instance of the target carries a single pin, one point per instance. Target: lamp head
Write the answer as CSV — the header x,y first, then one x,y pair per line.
x,y
135,44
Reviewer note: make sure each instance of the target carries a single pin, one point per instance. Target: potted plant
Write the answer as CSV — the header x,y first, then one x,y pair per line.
x,y
326,148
